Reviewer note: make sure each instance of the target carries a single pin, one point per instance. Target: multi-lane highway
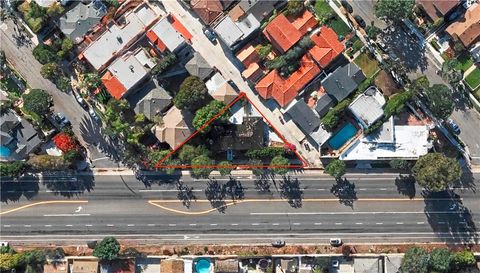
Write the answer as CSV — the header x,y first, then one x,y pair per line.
x,y
304,209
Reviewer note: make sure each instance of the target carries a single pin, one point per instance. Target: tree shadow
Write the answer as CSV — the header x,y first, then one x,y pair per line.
x,y
449,218
185,194
234,189
70,185
467,180
344,190
11,190
94,136
216,195
157,179
290,190
406,185
262,185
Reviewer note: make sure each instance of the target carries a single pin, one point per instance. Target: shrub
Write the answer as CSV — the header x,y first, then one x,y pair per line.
x,y
400,164
294,8
12,169
192,94
65,142
267,152
200,161
44,54
396,103
107,249
227,168
206,113
50,71
163,64
331,119
278,163
264,50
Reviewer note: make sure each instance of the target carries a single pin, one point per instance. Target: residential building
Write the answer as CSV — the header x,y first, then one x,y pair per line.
x,y
117,266
475,52
166,35
326,47
391,142
210,10
151,100
232,32
305,23
437,9
225,93
282,34
55,267
18,138
368,107
343,81
175,128
323,104
172,266
248,55
198,66
147,265
119,35
303,116
240,137
126,73
467,29
285,90
226,266
287,265
253,73
368,265
215,82
76,22
84,266
258,8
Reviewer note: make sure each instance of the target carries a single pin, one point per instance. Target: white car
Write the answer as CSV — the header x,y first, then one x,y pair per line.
x,y
336,242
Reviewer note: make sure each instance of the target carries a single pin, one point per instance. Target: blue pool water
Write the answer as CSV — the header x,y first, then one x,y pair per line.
x,y
342,136
202,266
4,151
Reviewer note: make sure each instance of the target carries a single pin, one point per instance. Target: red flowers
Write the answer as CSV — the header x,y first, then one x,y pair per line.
x,y
65,142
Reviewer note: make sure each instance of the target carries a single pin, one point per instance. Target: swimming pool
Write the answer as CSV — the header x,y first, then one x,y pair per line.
x,y
341,137
4,151
202,266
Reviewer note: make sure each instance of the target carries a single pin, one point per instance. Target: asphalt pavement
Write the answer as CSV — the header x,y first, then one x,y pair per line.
x,y
301,209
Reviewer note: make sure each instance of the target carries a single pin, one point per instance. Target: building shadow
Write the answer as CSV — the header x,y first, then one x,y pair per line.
x,y
69,184
11,190
406,185
215,194
449,218
345,191
290,189
467,180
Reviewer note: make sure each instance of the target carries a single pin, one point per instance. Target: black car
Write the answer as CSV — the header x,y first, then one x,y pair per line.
x,y
278,243
347,6
360,21
234,86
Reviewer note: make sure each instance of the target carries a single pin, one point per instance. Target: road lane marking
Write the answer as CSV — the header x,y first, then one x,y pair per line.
x,y
69,225
87,225
379,223
193,224
130,225
255,224
66,215
172,225
338,224
358,223
43,203
317,224
420,223
275,224
27,225
151,225
110,225
234,224
399,223
296,224
48,225
166,190
214,224
353,212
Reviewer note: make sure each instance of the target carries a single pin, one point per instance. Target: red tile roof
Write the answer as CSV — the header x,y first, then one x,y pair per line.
x,y
178,26
327,47
467,29
281,33
113,85
152,36
437,9
285,90
207,10
305,22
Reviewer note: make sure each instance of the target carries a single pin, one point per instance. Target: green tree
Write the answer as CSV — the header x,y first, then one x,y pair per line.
x,y
321,264
9,261
372,31
440,260
192,94
394,10
48,163
294,8
186,153
396,103
201,161
264,50
55,10
50,71
34,260
67,45
440,100
226,170
416,260
91,81
107,249
336,168
435,171
206,113
63,84
38,102
463,259
44,54
331,119
256,167
277,164
12,169
163,64
400,164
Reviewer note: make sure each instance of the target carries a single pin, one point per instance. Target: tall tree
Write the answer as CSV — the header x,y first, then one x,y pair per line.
x,y
202,161
416,260
440,100
279,164
463,259
440,260
107,249
225,168
192,94
37,101
12,169
394,10
206,113
336,168
435,171
50,71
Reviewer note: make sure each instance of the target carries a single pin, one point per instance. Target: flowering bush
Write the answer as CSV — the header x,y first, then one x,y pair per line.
x,y
65,142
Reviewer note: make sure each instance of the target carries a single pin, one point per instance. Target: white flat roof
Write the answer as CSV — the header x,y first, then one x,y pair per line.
x,y
228,31
169,36
367,107
128,70
116,37
411,142
215,82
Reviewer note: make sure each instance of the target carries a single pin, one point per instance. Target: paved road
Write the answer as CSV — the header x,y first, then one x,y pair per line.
x,y
369,208
20,55
365,9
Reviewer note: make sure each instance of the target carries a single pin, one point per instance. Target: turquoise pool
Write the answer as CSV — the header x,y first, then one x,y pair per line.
x,y
4,151
202,266
341,137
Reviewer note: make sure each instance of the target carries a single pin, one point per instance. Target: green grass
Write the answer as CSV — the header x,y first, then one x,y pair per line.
x,y
323,9
464,62
477,94
368,65
340,27
473,79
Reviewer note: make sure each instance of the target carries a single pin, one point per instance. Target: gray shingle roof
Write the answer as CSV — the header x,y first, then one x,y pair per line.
x,y
304,117
150,99
78,21
199,67
324,102
343,81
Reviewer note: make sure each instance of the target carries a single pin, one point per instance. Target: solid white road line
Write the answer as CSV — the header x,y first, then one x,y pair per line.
x,y
420,223
353,212
399,223
358,223
66,215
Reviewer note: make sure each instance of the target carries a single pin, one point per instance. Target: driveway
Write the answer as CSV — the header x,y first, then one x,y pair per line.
x,y
19,53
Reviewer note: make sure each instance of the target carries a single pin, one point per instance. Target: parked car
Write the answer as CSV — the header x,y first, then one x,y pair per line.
x,y
94,115
336,242
234,86
281,120
211,35
81,101
347,6
454,126
278,243
61,120
335,264
359,21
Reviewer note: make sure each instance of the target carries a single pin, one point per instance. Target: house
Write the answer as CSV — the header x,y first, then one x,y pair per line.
x,y
391,142
165,35
475,52
84,266
248,55
437,9
117,266
326,47
171,266
467,29
304,23
232,31
209,10
126,73
343,81
368,265
150,100
198,66
76,22
226,266
215,82
282,34
18,138
225,93
324,103
55,267
285,90
286,265
258,8
368,107
253,73
175,128
303,116
119,35
147,265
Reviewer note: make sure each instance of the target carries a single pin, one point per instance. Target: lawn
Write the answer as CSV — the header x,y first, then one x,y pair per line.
x,y
368,65
339,27
464,62
323,9
473,79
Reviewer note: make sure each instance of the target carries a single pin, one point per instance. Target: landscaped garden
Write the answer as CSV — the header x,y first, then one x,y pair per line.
x,y
368,65
464,62
327,16
473,79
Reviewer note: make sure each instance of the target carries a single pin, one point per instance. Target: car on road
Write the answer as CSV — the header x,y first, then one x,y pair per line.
x,y
211,35
281,120
234,86
278,243
347,6
61,120
335,264
359,21
454,126
336,242
81,101
94,115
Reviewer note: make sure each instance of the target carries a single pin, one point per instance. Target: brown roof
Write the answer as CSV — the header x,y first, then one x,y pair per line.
x,y
207,10
236,13
60,267
281,33
84,266
171,266
437,9
225,93
248,55
176,127
226,266
467,29
253,73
